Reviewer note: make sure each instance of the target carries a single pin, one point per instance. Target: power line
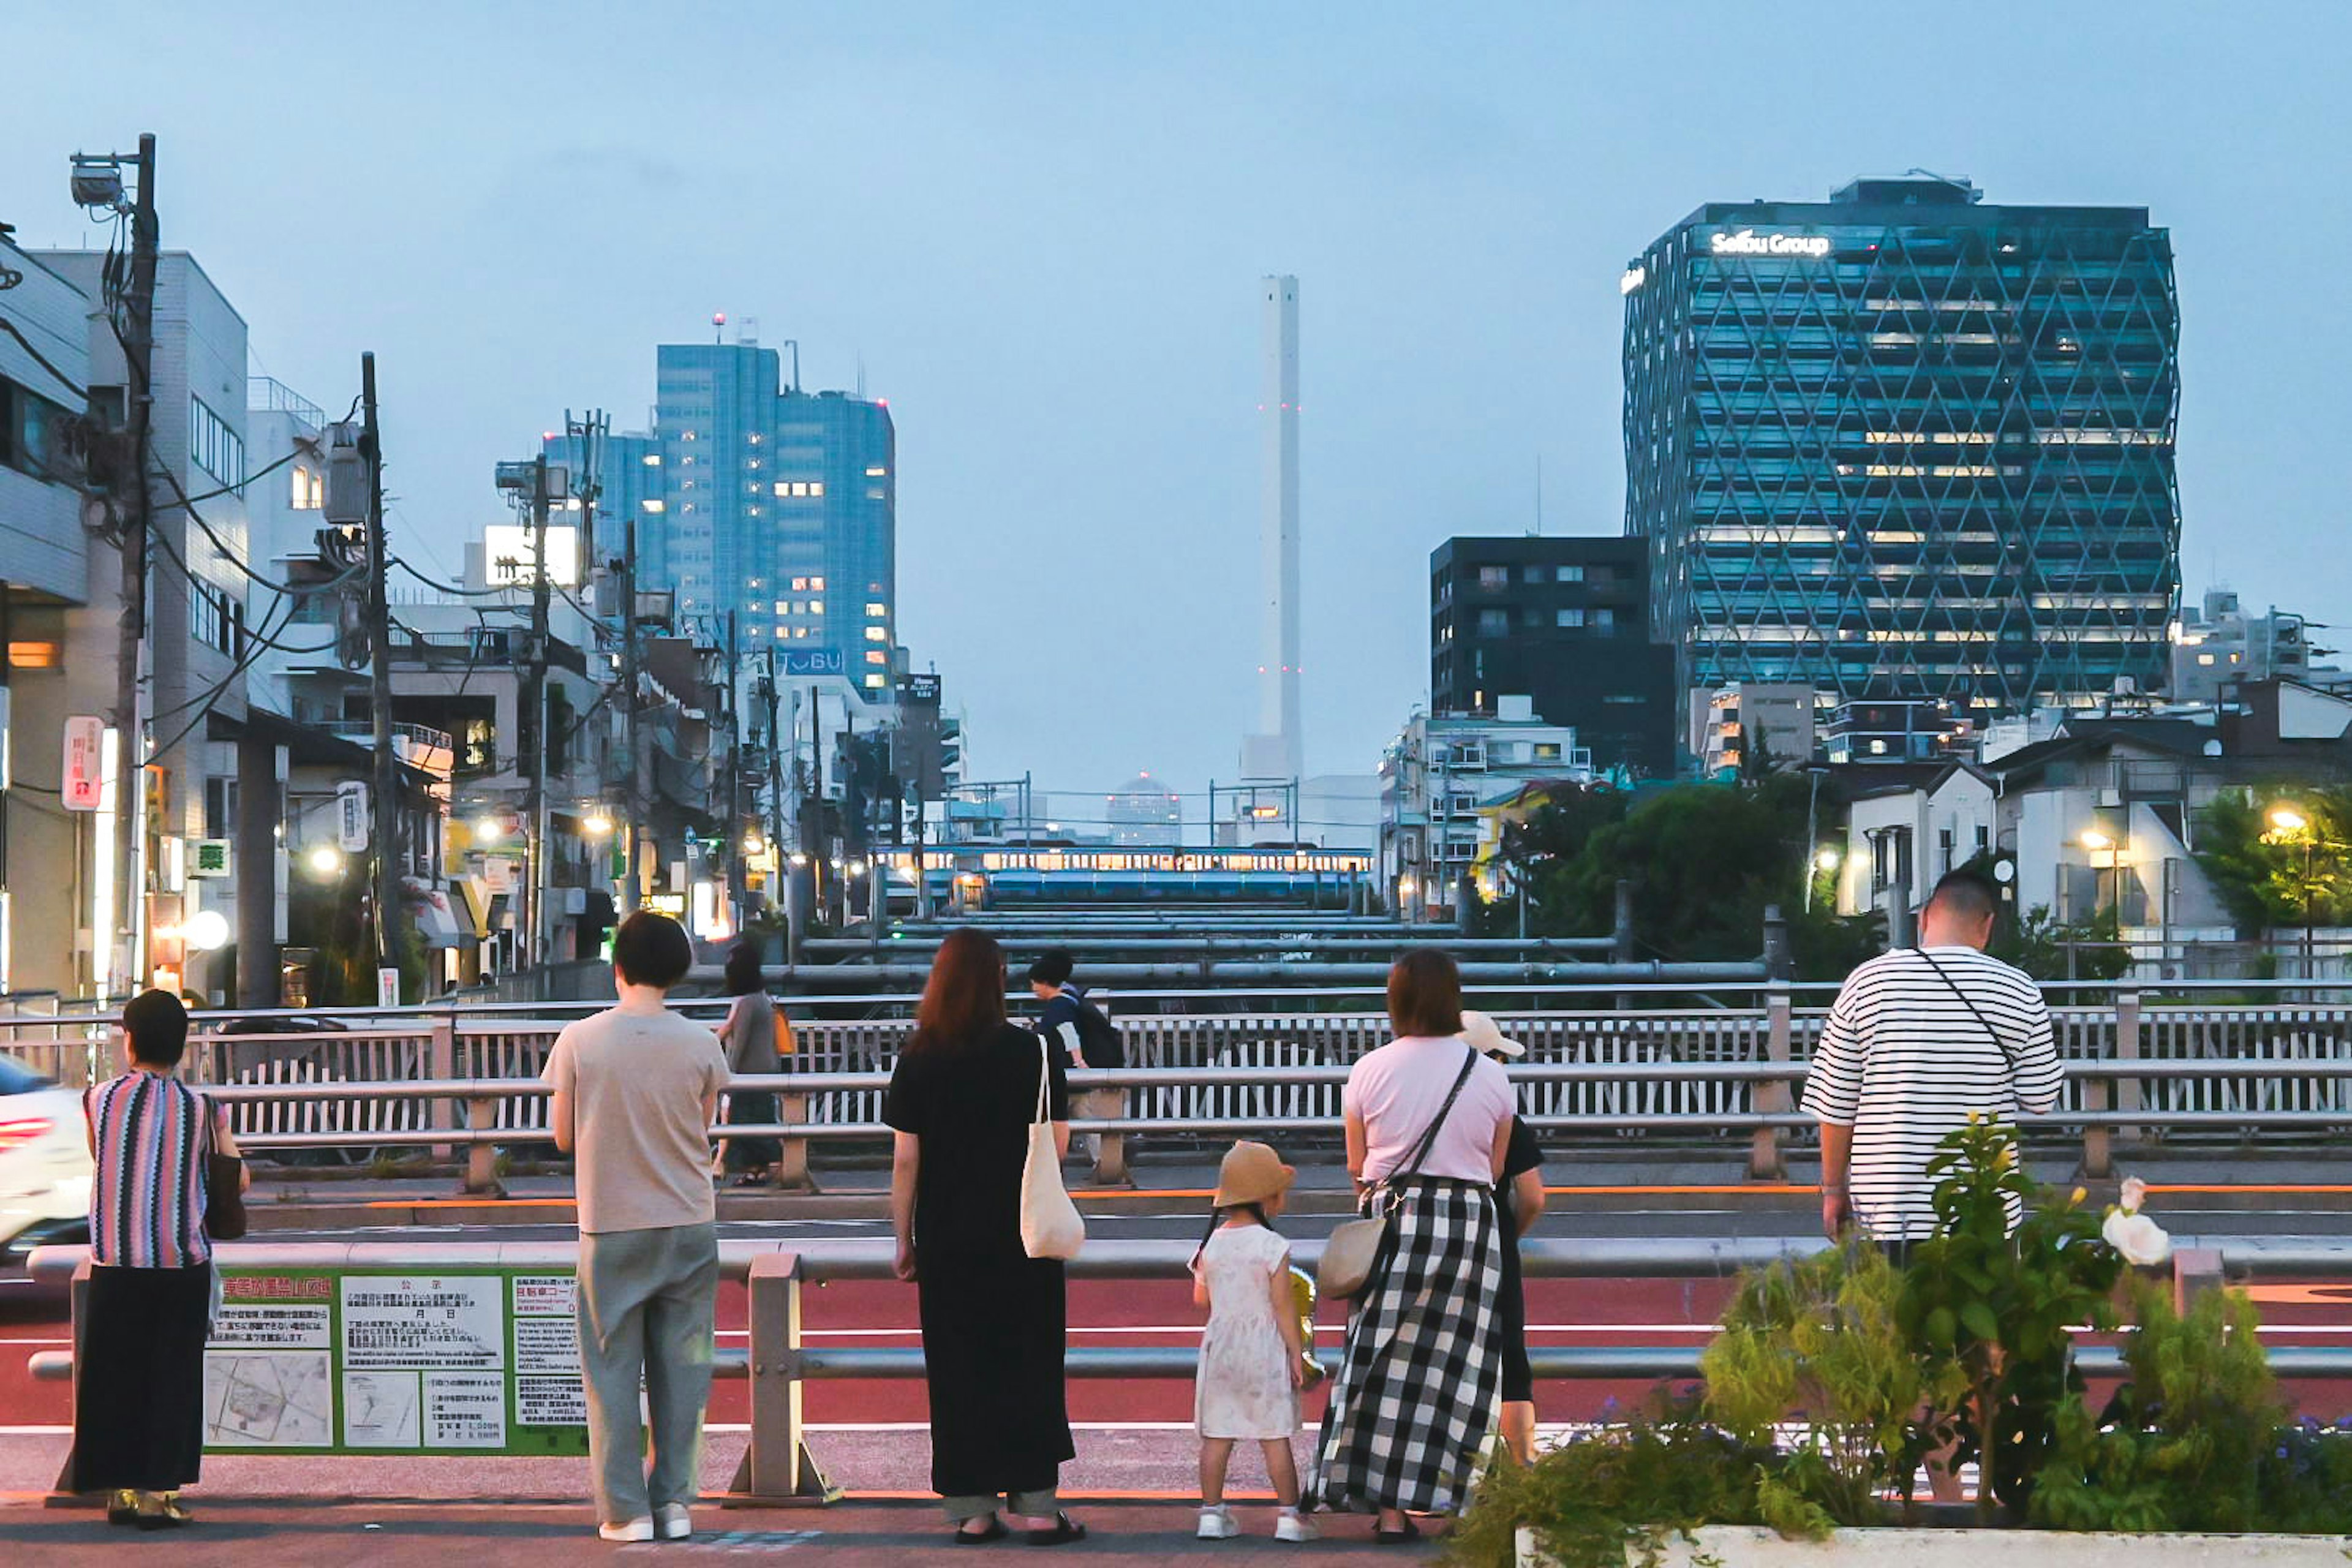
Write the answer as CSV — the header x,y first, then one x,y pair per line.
x,y
42,360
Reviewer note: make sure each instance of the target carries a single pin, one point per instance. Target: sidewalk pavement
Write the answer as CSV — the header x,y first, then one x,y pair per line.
x,y
245,1533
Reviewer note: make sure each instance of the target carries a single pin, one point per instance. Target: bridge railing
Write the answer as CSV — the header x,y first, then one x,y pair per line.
x,y
779,1467
1225,1099
2269,1066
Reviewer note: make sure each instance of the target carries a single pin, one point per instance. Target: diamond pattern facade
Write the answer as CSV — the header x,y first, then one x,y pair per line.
x,y
1901,445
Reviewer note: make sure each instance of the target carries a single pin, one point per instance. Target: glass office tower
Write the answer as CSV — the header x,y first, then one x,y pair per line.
x,y
757,499
1904,444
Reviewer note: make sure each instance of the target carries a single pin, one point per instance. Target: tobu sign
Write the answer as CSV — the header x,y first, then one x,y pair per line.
x,y
1747,242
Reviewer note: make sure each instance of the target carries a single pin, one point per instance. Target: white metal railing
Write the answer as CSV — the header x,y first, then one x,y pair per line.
x,y
2262,1060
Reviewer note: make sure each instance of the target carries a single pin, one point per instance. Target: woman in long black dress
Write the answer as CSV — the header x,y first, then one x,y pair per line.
x,y
960,1100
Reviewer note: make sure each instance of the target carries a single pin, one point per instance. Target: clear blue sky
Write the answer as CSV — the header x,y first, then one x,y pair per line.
x,y
1040,228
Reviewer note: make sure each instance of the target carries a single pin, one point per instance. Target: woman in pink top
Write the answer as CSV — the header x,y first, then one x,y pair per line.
x,y
1429,1124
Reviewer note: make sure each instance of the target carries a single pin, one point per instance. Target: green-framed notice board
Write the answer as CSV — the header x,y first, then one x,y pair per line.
x,y
363,1360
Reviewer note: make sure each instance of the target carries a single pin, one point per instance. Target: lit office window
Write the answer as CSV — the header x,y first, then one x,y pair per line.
x,y
877,473
307,489
877,634
877,682
878,610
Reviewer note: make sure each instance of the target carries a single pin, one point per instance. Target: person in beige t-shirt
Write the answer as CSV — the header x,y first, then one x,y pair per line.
x,y
634,1089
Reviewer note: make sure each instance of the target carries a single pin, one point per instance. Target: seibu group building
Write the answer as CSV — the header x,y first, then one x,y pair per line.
x,y
1908,443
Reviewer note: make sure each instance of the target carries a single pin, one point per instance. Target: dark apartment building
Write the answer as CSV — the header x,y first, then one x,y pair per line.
x,y
1565,623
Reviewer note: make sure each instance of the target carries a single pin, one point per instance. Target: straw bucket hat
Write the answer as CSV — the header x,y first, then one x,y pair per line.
x,y
1251,1173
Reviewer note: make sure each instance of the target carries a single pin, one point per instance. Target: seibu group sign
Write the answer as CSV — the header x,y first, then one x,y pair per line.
x,y
1747,242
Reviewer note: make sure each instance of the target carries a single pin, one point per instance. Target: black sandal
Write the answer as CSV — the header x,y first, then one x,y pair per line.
x,y
1385,1536
995,1531
1066,1528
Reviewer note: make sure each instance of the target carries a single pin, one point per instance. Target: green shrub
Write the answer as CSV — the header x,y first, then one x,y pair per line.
x,y
1619,1495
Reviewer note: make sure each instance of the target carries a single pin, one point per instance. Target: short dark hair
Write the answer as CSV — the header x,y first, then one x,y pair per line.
x,y
1425,995
1053,967
651,949
1968,893
158,1026
743,976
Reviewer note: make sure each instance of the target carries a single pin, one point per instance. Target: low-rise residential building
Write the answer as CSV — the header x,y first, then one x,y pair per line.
x,y
1732,727
2220,642
1439,781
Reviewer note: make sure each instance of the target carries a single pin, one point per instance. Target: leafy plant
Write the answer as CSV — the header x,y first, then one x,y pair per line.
x,y
1992,1309
2197,1438
1818,1337
1620,1495
2266,878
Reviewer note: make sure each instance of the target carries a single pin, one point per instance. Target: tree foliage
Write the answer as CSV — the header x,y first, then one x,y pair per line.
x,y
1703,862
2267,877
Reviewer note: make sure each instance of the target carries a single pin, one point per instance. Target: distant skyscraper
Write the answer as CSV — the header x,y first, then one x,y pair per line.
x,y
762,499
1898,443
1276,751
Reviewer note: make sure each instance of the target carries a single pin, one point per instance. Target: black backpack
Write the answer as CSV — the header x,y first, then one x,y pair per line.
x,y
1098,1040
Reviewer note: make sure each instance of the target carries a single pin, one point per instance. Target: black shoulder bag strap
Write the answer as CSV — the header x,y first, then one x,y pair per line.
x,y
1999,1043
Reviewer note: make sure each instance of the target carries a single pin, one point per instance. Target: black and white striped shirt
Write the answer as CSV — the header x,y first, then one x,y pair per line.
x,y
1903,1061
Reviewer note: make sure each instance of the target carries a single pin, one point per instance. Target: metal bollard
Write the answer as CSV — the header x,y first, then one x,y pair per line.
x,y
1764,1161
441,1064
482,1158
2098,1141
791,1171
2195,1271
65,1495
777,1468
1110,1148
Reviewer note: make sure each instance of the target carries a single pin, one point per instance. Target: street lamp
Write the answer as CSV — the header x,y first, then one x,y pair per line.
x,y
2289,825
324,861
487,830
596,825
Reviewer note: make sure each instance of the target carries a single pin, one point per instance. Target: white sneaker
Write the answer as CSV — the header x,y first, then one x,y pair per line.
x,y
634,1530
672,1520
1217,1524
1293,1527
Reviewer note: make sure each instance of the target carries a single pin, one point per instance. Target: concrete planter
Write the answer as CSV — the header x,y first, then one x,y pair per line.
x,y
1750,1546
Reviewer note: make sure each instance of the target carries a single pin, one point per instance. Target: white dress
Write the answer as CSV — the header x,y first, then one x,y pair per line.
x,y
1243,1388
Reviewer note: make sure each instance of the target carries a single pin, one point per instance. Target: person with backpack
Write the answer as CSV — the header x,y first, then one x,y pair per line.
x,y
1077,1027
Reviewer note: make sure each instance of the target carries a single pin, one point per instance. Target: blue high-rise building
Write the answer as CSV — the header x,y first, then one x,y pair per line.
x,y
1905,444
758,500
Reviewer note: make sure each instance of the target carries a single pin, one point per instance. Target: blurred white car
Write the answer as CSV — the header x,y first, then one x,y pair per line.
x,y
44,1164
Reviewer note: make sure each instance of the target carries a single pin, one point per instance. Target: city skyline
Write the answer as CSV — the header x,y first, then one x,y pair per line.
x,y
1039,238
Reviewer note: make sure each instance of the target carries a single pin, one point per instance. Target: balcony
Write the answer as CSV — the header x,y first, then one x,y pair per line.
x,y
420,746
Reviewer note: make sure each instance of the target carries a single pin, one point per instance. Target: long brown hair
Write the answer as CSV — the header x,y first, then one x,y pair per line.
x,y
963,1000
1425,995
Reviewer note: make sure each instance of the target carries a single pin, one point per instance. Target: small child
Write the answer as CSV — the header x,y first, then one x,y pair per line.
x,y
1253,1354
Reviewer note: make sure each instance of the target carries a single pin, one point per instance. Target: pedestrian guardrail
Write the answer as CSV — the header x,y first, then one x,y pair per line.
x,y
1261,1093
779,1466
1622,1070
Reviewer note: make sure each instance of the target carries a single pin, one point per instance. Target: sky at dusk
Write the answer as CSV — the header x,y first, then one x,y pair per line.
x,y
1038,229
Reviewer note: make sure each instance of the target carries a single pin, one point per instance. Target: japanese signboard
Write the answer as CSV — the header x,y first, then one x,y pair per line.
x,y
368,1360
85,761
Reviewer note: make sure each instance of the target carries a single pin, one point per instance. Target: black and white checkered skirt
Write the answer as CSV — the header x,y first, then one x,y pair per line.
x,y
1414,1397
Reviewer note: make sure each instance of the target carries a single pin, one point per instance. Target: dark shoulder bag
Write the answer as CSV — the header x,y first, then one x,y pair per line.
x,y
225,1219
1353,1253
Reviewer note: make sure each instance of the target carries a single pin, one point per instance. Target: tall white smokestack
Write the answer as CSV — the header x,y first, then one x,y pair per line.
x,y
1276,751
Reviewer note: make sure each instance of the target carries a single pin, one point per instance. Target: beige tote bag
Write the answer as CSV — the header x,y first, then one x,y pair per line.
x,y
1051,1225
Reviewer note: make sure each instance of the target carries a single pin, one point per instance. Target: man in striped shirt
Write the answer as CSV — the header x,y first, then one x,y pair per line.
x,y
1918,1040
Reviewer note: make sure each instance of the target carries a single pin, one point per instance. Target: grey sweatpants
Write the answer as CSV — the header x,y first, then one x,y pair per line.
x,y
645,1303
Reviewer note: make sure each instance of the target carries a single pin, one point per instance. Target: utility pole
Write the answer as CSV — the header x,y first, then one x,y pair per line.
x,y
534,850
586,435
736,869
385,784
130,748
630,881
